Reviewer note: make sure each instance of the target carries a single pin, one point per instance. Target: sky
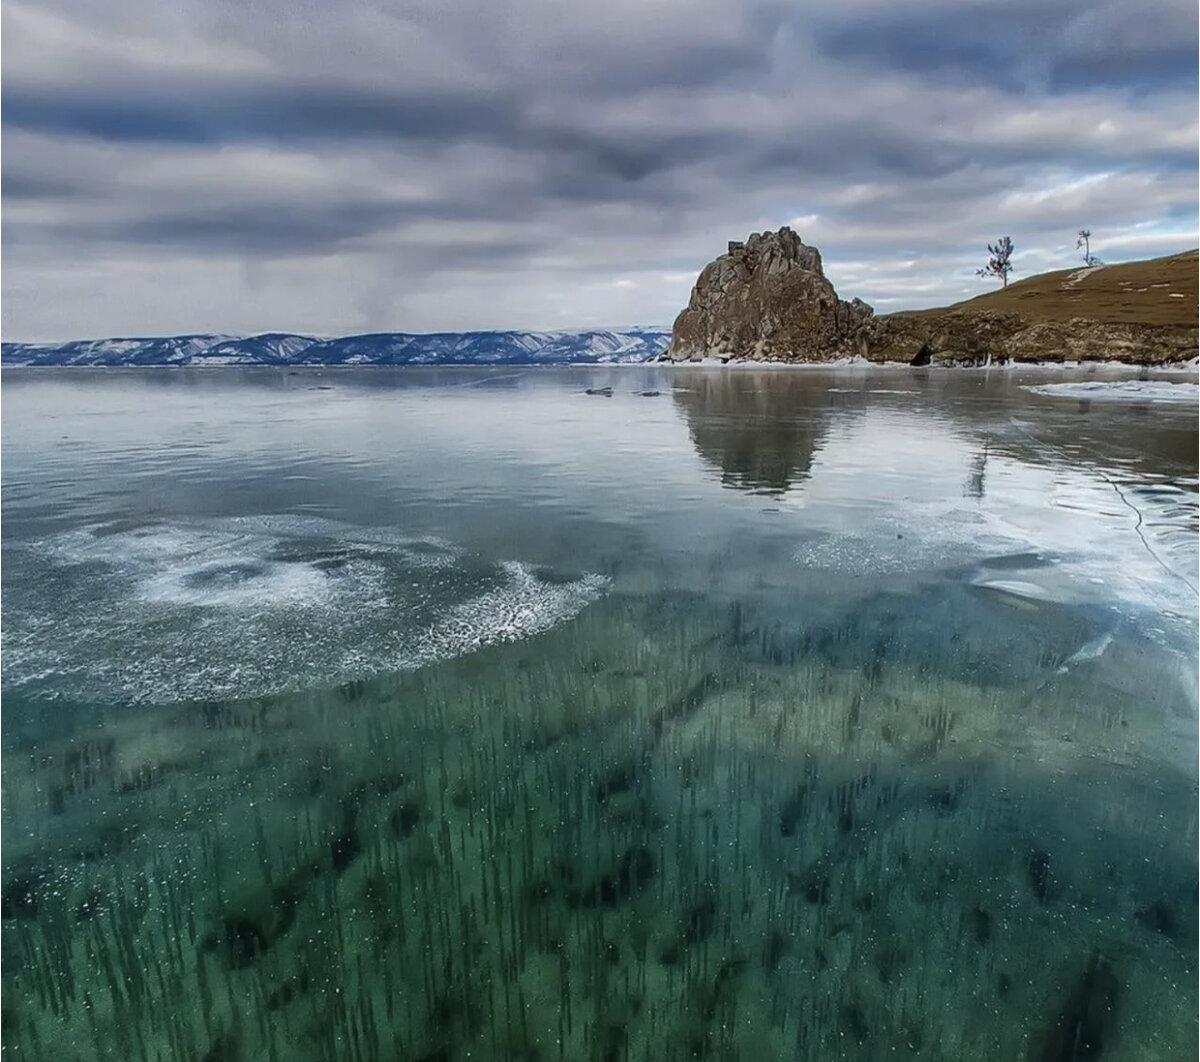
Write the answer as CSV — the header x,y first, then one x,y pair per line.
x,y
332,166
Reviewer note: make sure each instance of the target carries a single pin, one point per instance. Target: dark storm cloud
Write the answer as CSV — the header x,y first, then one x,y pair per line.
x,y
867,148
280,229
268,228
526,157
215,114
1046,46
16,184
323,116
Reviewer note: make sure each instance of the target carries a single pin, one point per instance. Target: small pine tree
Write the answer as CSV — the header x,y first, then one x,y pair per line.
x,y
1000,262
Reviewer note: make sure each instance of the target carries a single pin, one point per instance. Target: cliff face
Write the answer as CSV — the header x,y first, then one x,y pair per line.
x,y
979,337
767,299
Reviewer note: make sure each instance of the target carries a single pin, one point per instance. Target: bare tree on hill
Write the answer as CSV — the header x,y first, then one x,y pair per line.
x,y
1000,262
1085,241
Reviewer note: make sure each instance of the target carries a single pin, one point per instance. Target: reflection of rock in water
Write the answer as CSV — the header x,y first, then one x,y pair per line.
x,y
976,478
760,430
639,835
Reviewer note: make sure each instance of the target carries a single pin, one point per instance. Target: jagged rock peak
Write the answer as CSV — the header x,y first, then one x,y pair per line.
x,y
775,252
767,298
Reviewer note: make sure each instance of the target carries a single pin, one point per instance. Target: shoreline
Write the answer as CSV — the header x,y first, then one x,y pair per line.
x,y
1191,366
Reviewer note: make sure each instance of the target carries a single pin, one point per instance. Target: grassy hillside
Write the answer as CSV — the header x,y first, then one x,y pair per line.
x,y
1158,291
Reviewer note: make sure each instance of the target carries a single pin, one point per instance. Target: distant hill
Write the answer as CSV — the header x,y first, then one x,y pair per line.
x,y
384,348
1142,313
1157,291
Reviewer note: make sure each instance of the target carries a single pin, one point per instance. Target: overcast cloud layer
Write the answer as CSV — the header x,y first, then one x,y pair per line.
x,y
349,166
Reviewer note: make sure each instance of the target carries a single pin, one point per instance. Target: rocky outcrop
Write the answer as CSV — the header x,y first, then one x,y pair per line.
x,y
767,299
981,337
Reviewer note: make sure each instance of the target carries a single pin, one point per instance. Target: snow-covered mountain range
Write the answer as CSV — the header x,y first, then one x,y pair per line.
x,y
383,348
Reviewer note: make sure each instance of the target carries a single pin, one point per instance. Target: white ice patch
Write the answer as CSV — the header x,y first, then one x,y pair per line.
x,y
1014,588
241,607
237,583
870,390
523,606
923,537
1121,390
1092,650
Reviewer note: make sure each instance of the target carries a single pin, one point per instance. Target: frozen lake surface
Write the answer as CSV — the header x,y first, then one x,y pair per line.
x,y
448,714
1183,391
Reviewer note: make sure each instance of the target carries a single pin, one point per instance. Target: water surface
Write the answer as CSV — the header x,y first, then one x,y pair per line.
x,y
447,714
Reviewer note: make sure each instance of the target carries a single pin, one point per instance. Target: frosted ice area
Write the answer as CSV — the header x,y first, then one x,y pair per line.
x,y
1121,390
255,605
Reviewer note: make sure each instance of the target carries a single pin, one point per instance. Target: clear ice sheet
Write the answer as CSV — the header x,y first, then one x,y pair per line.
x,y
807,718
667,828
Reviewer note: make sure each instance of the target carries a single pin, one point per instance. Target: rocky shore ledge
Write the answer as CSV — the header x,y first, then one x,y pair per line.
x,y
767,299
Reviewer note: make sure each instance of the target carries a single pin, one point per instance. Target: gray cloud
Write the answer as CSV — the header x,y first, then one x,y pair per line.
x,y
191,113
448,165
1051,45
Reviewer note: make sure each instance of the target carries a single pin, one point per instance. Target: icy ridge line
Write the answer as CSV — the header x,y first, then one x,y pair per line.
x,y
592,346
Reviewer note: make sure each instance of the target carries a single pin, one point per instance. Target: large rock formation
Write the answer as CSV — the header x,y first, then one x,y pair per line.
x,y
767,299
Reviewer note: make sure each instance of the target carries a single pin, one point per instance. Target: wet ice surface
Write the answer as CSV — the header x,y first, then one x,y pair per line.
x,y
1088,533
460,715
1121,390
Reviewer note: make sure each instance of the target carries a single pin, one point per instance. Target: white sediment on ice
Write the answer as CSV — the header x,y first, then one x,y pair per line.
x,y
1120,390
247,606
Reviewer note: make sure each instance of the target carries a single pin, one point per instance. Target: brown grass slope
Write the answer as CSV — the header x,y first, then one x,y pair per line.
x,y
1146,292
1139,313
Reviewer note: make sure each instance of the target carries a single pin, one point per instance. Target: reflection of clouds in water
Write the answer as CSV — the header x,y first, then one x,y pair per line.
x,y
876,504
240,607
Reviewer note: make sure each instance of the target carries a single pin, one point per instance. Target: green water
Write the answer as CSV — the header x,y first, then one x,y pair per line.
x,y
468,716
